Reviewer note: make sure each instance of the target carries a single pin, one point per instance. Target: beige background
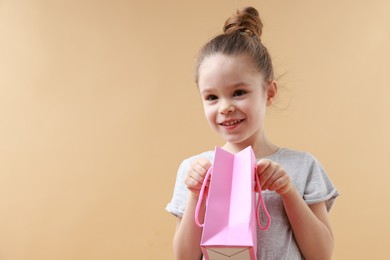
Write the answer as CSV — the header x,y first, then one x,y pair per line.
x,y
98,107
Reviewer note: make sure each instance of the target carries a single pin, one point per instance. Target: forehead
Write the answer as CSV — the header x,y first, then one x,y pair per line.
x,y
220,70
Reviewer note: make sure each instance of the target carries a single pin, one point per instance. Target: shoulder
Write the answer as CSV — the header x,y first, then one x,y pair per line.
x,y
287,155
300,165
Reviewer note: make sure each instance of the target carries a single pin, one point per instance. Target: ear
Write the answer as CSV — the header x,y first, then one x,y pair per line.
x,y
271,91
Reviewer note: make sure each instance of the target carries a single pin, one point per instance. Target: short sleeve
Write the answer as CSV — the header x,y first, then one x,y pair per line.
x,y
180,192
318,186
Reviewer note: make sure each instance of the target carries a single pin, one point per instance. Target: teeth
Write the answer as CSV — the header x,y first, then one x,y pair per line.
x,y
231,123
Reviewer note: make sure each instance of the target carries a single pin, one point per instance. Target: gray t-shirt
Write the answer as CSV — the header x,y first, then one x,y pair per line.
x,y
309,178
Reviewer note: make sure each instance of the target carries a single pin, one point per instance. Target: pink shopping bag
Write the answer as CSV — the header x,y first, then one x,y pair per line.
x,y
229,229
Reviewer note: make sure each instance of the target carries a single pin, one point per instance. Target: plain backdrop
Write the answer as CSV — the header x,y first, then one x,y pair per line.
x,y
98,107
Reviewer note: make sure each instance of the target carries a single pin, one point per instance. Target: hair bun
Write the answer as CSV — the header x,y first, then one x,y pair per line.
x,y
245,20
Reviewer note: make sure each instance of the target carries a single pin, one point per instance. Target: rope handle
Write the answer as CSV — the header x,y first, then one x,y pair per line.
x,y
200,198
260,202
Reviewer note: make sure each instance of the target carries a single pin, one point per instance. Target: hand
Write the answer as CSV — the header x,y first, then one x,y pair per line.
x,y
273,177
195,176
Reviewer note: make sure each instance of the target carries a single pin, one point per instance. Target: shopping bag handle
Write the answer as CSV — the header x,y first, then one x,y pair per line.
x,y
260,202
200,198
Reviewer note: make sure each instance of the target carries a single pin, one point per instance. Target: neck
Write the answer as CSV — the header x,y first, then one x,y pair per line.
x,y
261,148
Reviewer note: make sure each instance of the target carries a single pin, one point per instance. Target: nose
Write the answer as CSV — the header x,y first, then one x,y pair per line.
x,y
226,107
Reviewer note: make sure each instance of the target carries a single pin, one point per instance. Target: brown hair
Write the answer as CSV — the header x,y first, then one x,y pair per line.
x,y
242,36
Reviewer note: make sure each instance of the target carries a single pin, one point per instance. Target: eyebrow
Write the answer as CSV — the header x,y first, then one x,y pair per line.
x,y
231,87
206,91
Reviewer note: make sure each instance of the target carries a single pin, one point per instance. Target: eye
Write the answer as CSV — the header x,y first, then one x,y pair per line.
x,y
239,92
211,97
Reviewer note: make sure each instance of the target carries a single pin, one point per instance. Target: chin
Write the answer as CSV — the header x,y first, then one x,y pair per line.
x,y
234,140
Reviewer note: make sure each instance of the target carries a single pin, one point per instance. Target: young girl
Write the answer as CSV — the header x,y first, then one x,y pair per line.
x,y
235,78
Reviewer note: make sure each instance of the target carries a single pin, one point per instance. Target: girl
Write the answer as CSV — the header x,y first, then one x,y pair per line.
x,y
235,78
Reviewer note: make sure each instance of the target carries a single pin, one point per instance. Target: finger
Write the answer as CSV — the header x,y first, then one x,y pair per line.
x,y
279,183
196,173
285,189
201,166
271,176
267,174
192,183
204,163
262,165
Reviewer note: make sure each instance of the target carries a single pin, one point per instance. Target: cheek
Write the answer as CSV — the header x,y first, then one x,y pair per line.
x,y
207,112
210,114
254,110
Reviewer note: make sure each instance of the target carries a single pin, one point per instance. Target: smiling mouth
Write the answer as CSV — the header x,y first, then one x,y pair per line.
x,y
230,123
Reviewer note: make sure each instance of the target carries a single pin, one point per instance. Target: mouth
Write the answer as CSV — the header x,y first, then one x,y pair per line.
x,y
231,122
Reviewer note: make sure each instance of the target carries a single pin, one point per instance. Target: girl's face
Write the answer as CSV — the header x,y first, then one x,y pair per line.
x,y
234,98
